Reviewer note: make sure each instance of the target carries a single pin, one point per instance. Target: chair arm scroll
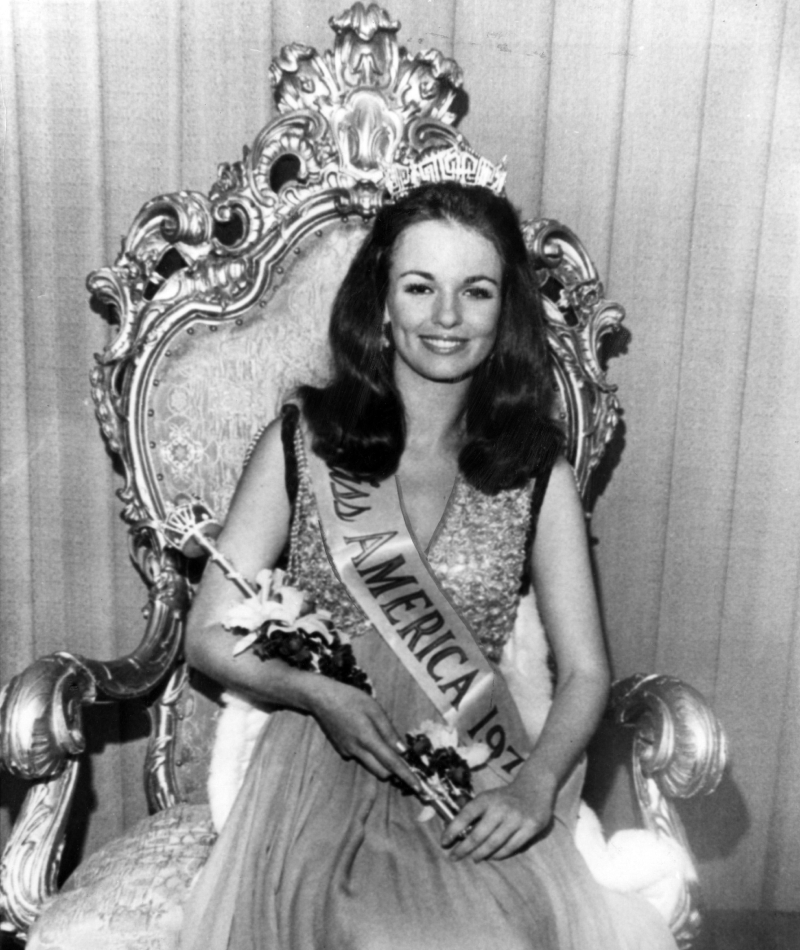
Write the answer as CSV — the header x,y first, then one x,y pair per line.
x,y
679,742
40,736
679,750
40,716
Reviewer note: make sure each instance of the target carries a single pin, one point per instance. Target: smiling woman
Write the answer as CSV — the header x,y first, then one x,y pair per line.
x,y
441,263
443,305
417,493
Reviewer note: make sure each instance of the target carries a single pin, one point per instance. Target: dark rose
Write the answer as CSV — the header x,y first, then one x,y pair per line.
x,y
459,776
448,764
340,664
420,745
287,645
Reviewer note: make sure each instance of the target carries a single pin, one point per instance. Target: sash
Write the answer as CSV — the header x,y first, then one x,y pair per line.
x,y
376,558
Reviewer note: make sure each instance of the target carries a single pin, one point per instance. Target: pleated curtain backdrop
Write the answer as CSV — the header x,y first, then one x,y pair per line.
x,y
666,134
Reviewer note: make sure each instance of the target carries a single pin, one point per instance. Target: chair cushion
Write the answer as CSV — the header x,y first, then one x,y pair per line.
x,y
129,894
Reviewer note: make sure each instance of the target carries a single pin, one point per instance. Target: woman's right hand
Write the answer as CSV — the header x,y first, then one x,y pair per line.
x,y
358,728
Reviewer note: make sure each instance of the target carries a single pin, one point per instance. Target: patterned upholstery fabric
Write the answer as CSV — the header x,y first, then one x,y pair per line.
x,y
217,385
128,895
215,391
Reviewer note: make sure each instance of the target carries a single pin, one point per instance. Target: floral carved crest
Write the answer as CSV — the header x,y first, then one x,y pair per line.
x,y
379,105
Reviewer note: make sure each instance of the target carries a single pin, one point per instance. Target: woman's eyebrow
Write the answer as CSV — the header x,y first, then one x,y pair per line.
x,y
474,279
479,277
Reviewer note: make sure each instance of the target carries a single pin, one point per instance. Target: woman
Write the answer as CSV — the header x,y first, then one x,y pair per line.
x,y
435,427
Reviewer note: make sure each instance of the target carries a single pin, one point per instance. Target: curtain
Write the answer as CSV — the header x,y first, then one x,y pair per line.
x,y
666,135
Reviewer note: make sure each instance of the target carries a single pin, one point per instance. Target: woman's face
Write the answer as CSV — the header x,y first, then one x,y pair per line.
x,y
444,299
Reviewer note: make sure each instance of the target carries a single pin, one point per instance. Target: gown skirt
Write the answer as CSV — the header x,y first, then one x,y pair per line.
x,y
318,854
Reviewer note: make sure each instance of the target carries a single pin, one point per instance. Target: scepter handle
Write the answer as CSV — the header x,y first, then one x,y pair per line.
x,y
191,528
223,563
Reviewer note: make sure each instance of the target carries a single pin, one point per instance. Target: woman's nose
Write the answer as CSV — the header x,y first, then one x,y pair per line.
x,y
448,313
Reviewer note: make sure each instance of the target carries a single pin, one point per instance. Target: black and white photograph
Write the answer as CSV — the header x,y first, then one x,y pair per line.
x,y
400,475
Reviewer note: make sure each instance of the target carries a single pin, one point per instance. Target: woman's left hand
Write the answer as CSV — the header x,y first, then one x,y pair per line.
x,y
503,820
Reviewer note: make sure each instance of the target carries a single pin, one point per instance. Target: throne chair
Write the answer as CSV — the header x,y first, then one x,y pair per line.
x,y
220,303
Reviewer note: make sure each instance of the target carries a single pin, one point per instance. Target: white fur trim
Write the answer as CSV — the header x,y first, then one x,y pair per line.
x,y
636,861
238,726
524,666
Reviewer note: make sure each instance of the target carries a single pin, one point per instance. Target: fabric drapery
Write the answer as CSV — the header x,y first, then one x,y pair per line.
x,y
666,136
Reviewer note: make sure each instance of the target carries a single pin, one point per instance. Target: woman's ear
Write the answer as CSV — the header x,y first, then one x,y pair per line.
x,y
386,332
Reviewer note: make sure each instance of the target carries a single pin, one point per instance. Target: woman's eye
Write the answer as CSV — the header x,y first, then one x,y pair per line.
x,y
482,293
417,289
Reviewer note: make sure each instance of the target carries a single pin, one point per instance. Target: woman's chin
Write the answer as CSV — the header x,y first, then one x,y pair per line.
x,y
441,369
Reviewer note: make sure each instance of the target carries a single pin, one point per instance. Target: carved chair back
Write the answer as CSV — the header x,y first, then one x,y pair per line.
x,y
222,304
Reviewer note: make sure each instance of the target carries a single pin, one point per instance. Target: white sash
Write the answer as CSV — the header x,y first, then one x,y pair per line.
x,y
378,561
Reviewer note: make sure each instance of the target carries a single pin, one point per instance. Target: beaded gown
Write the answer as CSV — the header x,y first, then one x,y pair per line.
x,y
318,854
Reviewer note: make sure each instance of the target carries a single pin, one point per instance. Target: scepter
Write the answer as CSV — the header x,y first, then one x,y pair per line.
x,y
191,528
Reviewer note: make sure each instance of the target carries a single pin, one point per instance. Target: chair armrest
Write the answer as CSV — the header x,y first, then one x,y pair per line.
x,y
41,736
140,672
679,751
678,742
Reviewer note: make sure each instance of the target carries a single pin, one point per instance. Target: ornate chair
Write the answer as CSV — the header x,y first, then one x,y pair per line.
x,y
220,303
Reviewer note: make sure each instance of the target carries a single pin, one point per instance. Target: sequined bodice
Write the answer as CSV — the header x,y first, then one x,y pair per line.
x,y
477,554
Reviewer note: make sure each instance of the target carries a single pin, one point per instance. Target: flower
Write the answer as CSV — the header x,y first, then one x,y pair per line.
x,y
475,755
287,645
440,735
254,612
279,621
443,766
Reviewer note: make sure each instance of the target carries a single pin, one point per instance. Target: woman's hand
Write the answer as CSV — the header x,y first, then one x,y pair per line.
x,y
500,822
358,728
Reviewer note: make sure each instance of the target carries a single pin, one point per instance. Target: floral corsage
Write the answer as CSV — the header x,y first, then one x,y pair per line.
x,y
280,622
444,767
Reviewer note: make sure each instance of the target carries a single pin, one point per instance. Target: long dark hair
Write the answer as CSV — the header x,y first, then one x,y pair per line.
x,y
358,420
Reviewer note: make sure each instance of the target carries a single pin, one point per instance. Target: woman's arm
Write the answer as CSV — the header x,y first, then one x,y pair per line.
x,y
255,533
507,818
253,538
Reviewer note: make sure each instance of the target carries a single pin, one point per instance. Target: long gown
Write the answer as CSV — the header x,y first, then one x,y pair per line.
x,y
318,854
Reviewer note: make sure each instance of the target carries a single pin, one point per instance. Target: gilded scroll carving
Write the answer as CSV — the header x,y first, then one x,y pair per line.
x,y
29,866
679,750
578,317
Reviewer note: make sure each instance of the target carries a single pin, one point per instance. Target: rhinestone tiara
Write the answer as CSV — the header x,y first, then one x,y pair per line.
x,y
460,165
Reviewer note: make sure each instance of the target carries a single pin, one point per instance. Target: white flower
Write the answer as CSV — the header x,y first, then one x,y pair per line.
x,y
278,604
246,642
440,735
249,615
475,755
292,601
254,612
313,623
446,737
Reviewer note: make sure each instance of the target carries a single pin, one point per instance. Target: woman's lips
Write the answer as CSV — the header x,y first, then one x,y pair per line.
x,y
443,345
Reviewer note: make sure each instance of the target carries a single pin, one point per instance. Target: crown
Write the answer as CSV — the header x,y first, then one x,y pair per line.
x,y
460,165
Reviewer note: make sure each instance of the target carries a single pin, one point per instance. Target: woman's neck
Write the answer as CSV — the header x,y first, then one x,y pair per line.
x,y
434,411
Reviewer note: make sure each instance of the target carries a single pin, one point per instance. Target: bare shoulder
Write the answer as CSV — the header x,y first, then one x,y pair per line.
x,y
267,453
